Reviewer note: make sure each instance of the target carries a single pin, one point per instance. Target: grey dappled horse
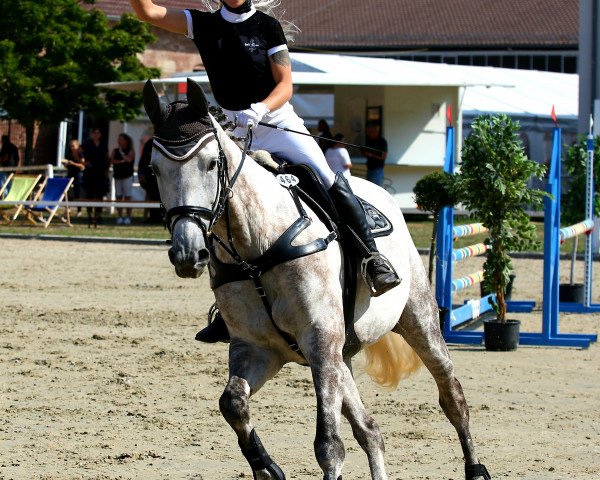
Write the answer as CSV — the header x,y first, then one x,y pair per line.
x,y
224,208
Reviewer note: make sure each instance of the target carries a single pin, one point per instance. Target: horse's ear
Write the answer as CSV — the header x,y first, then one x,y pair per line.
x,y
196,98
155,107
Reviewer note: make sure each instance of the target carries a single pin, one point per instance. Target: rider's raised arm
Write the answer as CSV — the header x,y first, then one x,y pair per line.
x,y
171,19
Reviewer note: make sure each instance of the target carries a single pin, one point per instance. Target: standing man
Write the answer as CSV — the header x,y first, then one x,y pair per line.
x,y
375,160
95,175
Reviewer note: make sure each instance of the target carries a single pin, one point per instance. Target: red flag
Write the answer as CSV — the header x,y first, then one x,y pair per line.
x,y
449,114
182,88
553,115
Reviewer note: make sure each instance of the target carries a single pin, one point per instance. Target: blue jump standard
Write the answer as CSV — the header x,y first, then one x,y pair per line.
x,y
457,316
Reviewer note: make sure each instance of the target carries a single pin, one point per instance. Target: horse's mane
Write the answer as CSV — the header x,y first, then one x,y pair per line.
x,y
270,7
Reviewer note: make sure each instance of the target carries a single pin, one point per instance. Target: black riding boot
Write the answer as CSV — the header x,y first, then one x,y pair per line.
x,y
216,331
376,269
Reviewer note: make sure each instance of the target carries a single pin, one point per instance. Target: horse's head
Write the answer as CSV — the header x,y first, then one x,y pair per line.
x,y
188,163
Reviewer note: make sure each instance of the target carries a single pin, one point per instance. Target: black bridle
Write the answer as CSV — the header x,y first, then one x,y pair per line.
x,y
204,217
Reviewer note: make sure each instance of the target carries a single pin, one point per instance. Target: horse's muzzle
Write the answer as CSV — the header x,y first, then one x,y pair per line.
x,y
190,264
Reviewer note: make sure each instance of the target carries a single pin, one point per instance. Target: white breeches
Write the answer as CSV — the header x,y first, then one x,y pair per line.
x,y
292,147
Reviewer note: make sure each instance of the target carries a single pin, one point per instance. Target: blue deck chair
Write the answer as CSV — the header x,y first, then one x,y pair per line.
x,y
20,190
55,190
4,181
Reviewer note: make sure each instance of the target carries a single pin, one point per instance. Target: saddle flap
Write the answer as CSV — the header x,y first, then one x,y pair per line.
x,y
312,185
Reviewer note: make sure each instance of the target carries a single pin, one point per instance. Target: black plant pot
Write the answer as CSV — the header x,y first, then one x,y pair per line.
x,y
501,336
570,293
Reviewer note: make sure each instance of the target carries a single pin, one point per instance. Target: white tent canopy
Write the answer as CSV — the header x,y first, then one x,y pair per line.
x,y
487,89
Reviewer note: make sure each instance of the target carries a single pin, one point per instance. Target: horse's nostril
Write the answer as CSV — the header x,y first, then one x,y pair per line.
x,y
203,256
172,256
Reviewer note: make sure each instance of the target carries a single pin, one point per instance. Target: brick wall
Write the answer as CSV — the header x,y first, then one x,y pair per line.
x,y
171,53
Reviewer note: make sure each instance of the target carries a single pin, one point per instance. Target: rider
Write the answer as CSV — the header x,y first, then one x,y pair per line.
x,y
245,54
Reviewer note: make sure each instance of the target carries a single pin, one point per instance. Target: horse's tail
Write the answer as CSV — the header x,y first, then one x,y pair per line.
x,y
390,360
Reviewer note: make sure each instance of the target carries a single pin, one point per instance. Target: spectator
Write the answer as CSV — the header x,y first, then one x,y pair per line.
x,y
148,183
375,159
75,164
95,175
9,153
338,158
122,159
324,133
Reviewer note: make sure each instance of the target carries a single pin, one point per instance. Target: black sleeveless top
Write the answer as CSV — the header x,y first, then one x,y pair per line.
x,y
235,56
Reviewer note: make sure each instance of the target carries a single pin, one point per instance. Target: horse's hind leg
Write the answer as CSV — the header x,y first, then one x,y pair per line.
x,y
249,369
419,325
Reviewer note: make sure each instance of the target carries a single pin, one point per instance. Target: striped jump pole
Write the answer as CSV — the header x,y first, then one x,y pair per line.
x,y
467,281
468,230
575,230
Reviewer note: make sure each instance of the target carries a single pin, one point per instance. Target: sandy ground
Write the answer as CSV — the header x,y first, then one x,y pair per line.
x,y
100,378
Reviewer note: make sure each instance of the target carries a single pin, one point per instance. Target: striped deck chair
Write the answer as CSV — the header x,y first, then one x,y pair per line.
x,y
55,190
4,185
20,189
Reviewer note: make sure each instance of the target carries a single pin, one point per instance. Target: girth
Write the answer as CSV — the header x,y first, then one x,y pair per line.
x,y
281,251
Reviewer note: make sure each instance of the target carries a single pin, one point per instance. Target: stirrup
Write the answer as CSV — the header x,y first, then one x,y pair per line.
x,y
380,258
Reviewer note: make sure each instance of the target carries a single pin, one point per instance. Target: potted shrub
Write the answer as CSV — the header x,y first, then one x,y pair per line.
x,y
433,192
493,186
572,208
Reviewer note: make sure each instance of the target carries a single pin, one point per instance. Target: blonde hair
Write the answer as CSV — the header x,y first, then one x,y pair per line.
x,y
266,6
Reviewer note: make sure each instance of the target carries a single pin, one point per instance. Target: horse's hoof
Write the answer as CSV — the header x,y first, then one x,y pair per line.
x,y
272,472
472,472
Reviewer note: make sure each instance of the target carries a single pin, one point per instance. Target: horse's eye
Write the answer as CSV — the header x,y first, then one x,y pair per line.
x,y
212,165
154,170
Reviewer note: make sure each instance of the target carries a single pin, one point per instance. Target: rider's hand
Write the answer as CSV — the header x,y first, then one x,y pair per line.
x,y
252,115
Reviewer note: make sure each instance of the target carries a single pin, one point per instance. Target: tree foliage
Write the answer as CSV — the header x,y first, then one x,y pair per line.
x,y
493,186
52,52
433,192
573,201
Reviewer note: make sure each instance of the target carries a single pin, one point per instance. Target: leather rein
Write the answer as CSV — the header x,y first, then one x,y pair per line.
x,y
281,251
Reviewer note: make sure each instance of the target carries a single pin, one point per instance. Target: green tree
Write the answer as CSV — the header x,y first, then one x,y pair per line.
x,y
52,52
433,192
573,202
493,186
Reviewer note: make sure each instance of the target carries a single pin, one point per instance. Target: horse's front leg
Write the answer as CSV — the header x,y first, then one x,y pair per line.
x,y
323,348
249,369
